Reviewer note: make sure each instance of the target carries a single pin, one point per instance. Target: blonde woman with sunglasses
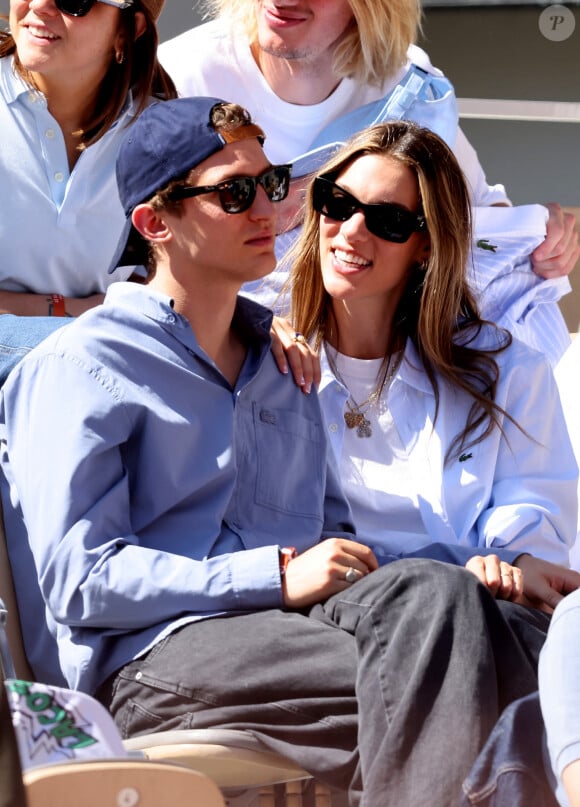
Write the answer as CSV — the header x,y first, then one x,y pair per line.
x,y
446,429
73,75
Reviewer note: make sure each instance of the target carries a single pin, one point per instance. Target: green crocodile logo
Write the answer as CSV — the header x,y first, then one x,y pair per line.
x,y
483,243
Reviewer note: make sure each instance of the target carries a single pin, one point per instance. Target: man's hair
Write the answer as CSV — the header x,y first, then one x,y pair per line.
x,y
437,310
139,72
373,47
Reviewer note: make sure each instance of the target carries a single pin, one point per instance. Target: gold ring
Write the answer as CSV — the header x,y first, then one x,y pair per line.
x,y
299,338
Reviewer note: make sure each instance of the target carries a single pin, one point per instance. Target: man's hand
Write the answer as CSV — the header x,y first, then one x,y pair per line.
x,y
559,252
304,362
321,571
545,584
504,581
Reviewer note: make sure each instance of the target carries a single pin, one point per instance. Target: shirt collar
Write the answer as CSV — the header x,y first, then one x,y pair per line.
x,y
410,371
13,87
151,303
252,320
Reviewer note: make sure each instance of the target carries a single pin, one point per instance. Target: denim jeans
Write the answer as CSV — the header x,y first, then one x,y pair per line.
x,y
18,335
387,690
510,770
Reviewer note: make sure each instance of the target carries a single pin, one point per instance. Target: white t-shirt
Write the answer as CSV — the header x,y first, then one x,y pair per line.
x,y
378,473
210,60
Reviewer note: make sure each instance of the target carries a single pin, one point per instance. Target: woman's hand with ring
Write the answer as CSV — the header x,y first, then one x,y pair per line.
x,y
290,347
504,581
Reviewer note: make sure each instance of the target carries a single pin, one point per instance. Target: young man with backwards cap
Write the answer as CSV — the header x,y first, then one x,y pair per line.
x,y
194,552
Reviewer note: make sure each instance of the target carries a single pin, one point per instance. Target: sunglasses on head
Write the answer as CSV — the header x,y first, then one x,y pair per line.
x,y
386,220
79,8
238,194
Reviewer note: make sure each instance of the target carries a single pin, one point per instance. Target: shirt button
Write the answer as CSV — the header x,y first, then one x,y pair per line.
x,y
333,427
59,176
138,676
49,133
171,319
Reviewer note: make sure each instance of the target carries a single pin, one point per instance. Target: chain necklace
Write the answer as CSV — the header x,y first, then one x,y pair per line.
x,y
355,416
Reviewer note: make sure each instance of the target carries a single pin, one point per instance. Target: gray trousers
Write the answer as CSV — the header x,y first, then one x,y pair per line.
x,y
387,690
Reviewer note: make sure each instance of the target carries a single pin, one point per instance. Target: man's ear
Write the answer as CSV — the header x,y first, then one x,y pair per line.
x,y
151,224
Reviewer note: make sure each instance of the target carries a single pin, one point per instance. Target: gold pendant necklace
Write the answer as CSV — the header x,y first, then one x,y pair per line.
x,y
355,416
357,420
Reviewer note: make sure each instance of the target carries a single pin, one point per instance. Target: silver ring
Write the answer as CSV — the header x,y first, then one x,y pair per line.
x,y
351,575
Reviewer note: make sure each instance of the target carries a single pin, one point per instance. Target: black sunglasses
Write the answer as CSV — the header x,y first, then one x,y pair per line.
x,y
238,194
79,8
387,221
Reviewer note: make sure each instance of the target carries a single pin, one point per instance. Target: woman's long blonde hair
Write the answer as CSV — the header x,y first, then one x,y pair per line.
x,y
373,47
437,310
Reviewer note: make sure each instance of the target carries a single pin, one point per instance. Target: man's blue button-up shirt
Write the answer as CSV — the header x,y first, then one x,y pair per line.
x,y
142,475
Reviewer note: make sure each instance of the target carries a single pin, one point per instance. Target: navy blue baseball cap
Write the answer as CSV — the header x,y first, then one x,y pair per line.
x,y
166,141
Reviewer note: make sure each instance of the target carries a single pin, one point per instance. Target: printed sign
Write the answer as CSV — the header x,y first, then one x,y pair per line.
x,y
55,725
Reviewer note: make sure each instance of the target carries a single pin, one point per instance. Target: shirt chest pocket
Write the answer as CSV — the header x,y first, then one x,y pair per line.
x,y
290,472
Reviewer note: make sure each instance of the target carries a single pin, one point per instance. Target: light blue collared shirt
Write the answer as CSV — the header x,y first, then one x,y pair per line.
x,y
516,489
58,229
